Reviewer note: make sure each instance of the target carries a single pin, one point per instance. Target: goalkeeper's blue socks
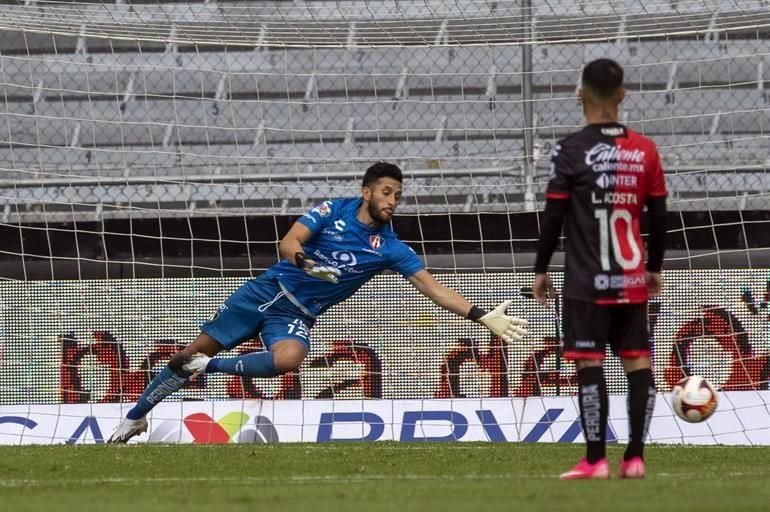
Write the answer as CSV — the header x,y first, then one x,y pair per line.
x,y
164,384
594,407
258,364
168,381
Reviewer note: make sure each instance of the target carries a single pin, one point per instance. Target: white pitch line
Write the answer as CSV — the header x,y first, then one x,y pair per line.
x,y
716,474
341,479
304,479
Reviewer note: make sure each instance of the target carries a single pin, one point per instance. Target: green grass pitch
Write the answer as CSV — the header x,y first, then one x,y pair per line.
x,y
365,477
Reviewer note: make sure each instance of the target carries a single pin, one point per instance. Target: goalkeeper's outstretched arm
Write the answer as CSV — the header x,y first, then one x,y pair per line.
x,y
508,328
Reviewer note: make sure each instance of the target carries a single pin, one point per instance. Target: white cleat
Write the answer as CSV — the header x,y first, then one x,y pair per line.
x,y
128,429
196,365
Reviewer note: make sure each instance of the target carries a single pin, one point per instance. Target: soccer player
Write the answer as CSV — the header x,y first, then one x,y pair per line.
x,y
330,252
601,178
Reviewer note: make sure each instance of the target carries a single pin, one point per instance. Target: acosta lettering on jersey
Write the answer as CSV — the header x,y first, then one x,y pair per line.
x,y
607,172
340,240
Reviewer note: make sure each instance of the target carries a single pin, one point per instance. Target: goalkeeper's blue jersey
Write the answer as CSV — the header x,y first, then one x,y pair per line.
x,y
339,239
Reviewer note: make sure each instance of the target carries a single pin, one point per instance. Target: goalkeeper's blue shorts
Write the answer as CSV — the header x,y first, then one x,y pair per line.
x,y
258,308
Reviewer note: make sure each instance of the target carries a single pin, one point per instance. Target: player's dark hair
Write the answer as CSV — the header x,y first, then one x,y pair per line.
x,y
382,170
603,77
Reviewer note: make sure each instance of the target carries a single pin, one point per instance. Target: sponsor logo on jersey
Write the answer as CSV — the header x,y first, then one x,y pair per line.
x,y
605,157
343,260
331,233
376,241
606,180
627,281
601,281
618,282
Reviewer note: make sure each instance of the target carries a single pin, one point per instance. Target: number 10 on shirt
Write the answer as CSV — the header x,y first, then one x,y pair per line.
x,y
617,229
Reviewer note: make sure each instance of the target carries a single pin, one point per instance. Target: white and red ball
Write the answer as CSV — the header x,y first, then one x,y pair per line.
x,y
693,399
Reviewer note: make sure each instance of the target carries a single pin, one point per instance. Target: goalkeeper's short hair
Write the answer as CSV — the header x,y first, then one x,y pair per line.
x,y
382,170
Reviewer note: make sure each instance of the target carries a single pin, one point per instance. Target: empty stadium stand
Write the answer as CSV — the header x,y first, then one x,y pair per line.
x,y
85,107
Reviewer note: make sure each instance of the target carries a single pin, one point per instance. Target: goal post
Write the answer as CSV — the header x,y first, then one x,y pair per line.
x,y
153,155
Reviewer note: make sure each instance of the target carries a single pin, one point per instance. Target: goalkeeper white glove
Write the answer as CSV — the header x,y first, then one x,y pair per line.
x,y
508,328
314,269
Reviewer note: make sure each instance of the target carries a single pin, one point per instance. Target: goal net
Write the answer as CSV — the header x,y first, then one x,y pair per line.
x,y
153,155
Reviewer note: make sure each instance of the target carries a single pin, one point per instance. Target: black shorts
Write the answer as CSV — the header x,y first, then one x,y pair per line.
x,y
589,328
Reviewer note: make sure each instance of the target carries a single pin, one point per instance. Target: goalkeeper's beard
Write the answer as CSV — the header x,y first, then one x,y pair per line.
x,y
378,216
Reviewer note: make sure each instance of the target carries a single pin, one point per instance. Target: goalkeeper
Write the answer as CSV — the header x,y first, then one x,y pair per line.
x,y
329,253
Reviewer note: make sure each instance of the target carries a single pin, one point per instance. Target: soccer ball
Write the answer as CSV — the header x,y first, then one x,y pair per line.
x,y
693,399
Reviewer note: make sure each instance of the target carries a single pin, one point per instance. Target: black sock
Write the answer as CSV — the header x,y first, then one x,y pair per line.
x,y
641,402
594,406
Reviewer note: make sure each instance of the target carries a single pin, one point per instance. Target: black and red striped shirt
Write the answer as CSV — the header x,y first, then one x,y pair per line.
x,y
607,172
